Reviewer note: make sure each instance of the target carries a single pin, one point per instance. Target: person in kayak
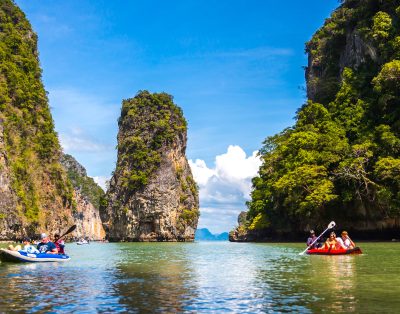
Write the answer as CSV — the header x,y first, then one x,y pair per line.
x,y
344,242
330,243
46,246
311,239
27,247
59,244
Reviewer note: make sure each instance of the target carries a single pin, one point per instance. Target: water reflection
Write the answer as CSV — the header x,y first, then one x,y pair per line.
x,y
154,277
337,275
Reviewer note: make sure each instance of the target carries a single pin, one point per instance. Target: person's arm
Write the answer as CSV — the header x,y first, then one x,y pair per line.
x,y
351,242
54,250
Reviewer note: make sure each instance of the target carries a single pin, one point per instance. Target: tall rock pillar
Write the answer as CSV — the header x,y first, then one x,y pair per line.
x,y
152,195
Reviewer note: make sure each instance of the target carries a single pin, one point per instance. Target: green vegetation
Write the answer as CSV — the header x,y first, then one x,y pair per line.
x,y
188,215
151,123
343,153
76,174
32,145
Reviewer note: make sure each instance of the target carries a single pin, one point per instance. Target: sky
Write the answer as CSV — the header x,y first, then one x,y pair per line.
x,y
234,67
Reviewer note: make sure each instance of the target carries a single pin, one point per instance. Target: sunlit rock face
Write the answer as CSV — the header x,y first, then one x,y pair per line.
x,y
152,195
87,219
87,195
34,194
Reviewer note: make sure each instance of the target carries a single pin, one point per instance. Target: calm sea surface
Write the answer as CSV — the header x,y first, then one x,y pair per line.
x,y
205,277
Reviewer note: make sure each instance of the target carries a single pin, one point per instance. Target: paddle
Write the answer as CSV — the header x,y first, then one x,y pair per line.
x,y
69,230
330,226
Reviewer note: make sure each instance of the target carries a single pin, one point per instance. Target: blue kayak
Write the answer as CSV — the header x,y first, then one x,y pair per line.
x,y
23,257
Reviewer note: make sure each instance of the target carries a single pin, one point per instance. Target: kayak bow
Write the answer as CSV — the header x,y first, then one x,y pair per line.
x,y
356,250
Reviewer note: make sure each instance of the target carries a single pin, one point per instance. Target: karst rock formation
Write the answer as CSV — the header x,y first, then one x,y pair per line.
x,y
152,195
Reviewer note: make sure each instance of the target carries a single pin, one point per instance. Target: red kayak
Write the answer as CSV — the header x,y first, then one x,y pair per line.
x,y
356,250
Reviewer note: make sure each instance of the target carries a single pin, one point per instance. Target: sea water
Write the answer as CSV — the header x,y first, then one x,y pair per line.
x,y
205,277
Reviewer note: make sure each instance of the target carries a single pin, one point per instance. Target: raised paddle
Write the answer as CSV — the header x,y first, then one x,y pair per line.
x,y
330,226
69,230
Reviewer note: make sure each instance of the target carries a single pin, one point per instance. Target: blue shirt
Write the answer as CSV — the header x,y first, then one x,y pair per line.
x,y
310,240
43,248
316,244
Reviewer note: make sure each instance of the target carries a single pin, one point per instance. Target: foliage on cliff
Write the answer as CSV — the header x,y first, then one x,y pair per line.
x,y
76,174
31,143
155,122
343,153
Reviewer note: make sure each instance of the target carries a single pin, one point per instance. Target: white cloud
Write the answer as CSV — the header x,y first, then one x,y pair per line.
x,y
230,180
225,188
101,180
81,141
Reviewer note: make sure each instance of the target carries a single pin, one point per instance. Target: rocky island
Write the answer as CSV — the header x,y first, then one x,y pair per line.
x,y
341,160
152,195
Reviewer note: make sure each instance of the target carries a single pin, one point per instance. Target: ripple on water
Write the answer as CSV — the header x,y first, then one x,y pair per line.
x,y
204,277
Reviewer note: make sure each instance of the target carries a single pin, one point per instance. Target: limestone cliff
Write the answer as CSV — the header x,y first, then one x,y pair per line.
x,y
152,195
87,195
87,219
35,196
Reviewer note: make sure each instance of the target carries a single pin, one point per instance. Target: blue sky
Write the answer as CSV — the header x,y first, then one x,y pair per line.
x,y
233,66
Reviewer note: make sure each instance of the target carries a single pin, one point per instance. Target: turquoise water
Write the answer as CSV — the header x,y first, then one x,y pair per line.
x,y
205,277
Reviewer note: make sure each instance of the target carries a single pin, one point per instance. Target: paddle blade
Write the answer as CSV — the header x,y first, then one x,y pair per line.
x,y
70,230
331,225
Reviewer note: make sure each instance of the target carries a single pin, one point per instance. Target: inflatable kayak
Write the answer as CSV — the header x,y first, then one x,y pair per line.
x,y
23,257
356,250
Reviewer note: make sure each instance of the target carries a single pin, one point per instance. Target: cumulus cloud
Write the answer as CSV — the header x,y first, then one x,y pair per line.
x,y
225,188
101,180
230,180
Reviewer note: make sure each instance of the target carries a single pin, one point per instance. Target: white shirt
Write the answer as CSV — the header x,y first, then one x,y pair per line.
x,y
340,244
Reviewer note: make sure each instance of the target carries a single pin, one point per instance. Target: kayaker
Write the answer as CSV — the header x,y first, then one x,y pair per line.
x,y
344,242
311,239
330,244
59,243
46,246
27,247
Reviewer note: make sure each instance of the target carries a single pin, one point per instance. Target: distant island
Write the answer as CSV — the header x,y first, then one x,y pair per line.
x,y
205,235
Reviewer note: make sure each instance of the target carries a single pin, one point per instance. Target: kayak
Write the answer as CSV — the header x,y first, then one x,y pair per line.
x,y
23,257
356,250
82,243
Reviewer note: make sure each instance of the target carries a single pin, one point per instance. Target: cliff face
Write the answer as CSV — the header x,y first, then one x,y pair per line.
x,y
87,219
35,196
87,197
152,195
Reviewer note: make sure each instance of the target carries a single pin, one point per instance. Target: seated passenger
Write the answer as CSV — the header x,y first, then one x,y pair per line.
x,y
330,244
46,246
59,243
27,247
344,242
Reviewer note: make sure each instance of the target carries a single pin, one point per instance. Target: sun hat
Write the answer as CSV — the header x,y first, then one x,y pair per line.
x,y
43,235
312,231
26,239
344,232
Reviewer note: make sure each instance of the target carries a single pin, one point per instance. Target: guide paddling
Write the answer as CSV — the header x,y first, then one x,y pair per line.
x,y
330,226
